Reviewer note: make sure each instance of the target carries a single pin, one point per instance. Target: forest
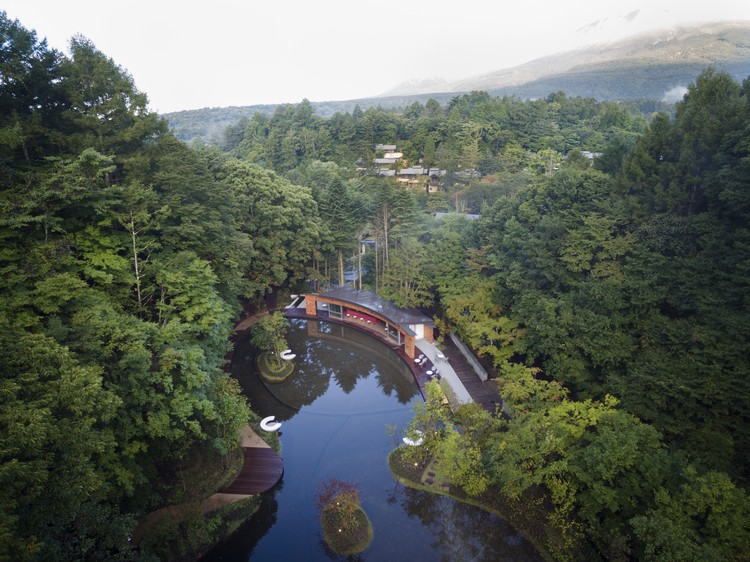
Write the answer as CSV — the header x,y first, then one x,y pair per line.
x,y
609,296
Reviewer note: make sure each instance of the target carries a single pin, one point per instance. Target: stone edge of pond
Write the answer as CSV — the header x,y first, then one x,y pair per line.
x,y
436,488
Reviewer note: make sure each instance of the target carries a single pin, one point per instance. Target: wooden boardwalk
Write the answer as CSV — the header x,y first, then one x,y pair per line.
x,y
482,392
261,470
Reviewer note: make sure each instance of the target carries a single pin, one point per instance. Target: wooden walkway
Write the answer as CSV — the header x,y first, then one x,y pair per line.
x,y
482,392
261,470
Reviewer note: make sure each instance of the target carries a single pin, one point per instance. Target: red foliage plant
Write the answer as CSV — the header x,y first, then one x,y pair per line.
x,y
337,492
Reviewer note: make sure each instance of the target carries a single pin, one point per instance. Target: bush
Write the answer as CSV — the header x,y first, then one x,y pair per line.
x,y
346,527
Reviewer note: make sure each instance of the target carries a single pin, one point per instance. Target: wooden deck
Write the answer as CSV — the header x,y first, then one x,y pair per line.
x,y
482,392
261,470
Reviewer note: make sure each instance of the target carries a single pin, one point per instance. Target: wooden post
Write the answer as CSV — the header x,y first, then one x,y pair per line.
x,y
429,335
311,306
312,329
409,346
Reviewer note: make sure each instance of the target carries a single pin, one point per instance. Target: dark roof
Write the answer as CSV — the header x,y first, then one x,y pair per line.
x,y
367,299
412,171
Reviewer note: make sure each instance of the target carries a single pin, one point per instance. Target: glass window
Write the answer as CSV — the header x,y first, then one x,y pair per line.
x,y
393,333
335,310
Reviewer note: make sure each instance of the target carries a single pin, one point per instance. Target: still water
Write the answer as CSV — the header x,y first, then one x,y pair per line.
x,y
344,409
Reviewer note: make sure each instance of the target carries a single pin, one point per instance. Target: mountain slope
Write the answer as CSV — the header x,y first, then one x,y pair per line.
x,y
657,66
646,65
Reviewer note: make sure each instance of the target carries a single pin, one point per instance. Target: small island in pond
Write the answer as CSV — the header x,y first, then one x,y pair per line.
x,y
274,362
346,527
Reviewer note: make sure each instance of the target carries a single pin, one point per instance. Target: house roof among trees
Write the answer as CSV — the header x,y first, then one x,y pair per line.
x,y
367,299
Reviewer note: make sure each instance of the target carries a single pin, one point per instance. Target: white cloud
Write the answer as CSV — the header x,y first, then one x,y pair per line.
x,y
675,94
232,52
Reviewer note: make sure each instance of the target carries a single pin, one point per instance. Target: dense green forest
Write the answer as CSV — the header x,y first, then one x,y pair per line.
x,y
125,258
611,298
472,131
209,123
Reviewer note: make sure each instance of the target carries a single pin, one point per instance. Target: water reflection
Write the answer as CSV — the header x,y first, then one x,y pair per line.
x,y
461,531
347,390
243,541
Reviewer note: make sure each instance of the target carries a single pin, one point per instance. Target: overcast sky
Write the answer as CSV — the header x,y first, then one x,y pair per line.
x,y
192,54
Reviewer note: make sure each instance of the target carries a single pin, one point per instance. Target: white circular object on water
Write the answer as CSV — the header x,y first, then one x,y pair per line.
x,y
287,355
415,442
268,424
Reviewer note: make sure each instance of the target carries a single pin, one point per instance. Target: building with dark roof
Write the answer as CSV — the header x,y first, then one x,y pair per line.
x,y
402,326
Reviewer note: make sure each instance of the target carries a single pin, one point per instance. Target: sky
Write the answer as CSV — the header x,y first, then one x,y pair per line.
x,y
190,54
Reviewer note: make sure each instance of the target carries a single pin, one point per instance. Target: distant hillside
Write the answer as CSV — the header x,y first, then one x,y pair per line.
x,y
643,66
657,66
209,123
623,81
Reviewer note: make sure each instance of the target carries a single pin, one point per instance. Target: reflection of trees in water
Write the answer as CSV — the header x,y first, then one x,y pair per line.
x,y
340,353
248,535
351,366
350,363
362,356
310,379
339,557
403,387
317,362
454,527
417,503
400,379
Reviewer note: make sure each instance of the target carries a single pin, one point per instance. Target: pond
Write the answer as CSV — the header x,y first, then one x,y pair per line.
x,y
344,409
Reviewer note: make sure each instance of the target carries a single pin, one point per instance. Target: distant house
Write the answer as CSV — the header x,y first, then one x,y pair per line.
x,y
591,155
412,171
465,215
388,157
385,161
417,176
413,176
385,147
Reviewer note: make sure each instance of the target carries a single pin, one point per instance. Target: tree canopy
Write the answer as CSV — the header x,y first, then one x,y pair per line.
x,y
125,258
